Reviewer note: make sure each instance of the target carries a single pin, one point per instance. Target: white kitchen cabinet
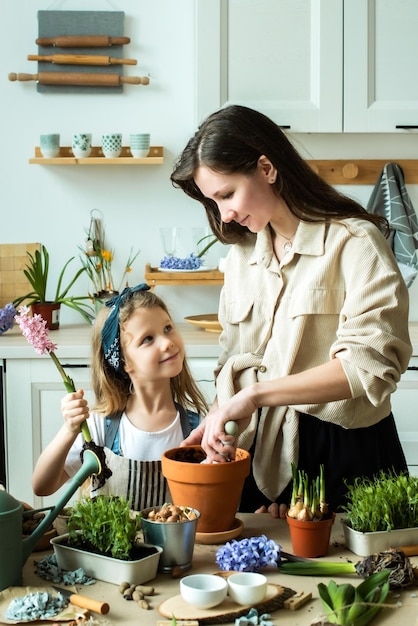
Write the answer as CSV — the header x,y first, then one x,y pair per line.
x,y
34,390
202,371
404,407
380,56
282,57
311,65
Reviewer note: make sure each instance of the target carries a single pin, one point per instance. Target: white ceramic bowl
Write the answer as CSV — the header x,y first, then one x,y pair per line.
x,y
203,590
247,588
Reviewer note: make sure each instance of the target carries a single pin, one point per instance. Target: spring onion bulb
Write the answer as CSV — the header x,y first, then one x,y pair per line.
x,y
308,499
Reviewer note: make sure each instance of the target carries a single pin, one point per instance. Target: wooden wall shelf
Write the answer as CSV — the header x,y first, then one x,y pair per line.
x,y
66,157
361,172
153,277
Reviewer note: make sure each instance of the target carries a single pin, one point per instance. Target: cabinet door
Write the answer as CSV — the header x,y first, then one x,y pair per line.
x,y
34,390
202,371
380,56
281,57
404,402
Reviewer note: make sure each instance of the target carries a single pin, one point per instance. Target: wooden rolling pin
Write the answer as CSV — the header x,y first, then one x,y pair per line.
x,y
76,78
82,41
81,59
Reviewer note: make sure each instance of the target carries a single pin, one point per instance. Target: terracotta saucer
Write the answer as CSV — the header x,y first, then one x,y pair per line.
x,y
221,537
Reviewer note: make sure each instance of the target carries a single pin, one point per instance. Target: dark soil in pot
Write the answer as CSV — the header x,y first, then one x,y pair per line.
x,y
188,455
137,553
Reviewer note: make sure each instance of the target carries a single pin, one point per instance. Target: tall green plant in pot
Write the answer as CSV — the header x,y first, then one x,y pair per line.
x,y
103,540
37,273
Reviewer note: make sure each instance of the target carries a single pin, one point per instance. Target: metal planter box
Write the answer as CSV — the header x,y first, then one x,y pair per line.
x,y
365,544
104,567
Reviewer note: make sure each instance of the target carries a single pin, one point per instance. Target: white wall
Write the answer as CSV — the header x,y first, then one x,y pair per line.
x,y
52,204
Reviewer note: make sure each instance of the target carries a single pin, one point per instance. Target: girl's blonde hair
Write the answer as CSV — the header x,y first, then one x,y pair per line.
x,y
112,388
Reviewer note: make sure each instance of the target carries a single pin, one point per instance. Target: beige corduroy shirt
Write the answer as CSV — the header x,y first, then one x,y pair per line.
x,y
337,294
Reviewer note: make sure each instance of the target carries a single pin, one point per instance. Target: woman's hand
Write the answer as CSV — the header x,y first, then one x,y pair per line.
x,y
275,510
210,434
75,410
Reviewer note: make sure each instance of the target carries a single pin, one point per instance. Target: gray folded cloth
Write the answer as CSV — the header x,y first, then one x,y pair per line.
x,y
390,199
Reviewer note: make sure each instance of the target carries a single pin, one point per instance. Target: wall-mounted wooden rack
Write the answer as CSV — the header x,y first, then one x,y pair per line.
x,y
66,157
362,172
153,276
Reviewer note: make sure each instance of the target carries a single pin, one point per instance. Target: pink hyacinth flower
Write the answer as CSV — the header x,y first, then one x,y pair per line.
x,y
36,333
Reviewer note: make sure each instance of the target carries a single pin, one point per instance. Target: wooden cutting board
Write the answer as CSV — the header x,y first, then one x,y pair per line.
x,y
228,610
13,259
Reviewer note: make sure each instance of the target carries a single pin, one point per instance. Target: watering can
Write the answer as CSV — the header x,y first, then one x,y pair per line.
x,y
14,550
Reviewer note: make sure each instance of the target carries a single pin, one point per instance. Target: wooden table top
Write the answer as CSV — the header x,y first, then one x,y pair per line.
x,y
129,614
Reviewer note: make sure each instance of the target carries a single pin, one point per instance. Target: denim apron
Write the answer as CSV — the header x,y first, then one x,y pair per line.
x,y
140,482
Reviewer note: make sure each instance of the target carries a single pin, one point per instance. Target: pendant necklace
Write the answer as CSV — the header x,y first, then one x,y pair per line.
x,y
288,244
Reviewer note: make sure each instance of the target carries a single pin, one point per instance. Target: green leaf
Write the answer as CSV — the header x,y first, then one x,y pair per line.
x,y
106,524
327,602
349,606
368,587
37,273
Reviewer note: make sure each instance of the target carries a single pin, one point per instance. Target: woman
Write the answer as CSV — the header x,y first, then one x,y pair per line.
x,y
314,314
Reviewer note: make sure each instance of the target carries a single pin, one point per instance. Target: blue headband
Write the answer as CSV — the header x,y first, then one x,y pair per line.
x,y
111,331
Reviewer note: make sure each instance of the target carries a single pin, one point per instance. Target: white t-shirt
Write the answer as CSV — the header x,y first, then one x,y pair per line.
x,y
134,443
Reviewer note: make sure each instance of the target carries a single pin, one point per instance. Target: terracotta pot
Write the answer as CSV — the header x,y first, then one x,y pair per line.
x,y
310,539
50,312
214,489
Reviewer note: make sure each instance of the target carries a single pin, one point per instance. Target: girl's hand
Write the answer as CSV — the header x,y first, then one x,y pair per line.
x,y
75,410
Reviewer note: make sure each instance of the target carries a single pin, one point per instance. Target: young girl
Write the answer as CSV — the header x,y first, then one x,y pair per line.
x,y
143,387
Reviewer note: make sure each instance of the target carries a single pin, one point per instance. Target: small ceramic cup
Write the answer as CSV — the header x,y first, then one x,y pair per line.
x,y
203,591
247,587
81,145
112,145
139,144
50,145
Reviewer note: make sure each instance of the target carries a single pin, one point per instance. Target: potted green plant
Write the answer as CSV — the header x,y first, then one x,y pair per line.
x,y
309,517
37,273
381,512
102,539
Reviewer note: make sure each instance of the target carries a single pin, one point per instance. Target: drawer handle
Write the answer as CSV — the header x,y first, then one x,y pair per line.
x,y
75,366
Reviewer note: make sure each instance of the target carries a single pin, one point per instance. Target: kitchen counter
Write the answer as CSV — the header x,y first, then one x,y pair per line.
x,y
73,341
129,614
